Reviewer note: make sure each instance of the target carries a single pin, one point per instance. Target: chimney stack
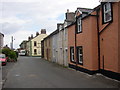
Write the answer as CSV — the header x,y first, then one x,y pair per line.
x,y
43,31
37,33
59,25
67,10
31,36
70,16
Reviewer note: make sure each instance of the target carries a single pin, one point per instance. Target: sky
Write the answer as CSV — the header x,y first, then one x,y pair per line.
x,y
21,18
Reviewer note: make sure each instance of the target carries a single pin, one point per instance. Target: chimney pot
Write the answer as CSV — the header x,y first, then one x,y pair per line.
x,y
43,31
67,10
37,33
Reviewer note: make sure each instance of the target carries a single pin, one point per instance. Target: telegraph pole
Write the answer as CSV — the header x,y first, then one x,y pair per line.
x,y
12,42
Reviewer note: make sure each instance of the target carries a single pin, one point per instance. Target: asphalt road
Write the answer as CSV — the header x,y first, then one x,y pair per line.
x,y
33,72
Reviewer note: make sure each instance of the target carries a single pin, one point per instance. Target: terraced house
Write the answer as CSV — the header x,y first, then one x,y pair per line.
x,y
93,40
63,38
55,46
35,43
90,42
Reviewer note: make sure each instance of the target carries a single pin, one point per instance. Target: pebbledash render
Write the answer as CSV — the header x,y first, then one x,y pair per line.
x,y
55,46
94,40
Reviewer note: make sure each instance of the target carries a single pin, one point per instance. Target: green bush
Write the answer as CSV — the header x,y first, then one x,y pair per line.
x,y
13,55
6,51
10,54
0,50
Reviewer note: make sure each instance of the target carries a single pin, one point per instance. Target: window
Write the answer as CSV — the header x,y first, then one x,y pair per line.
x,y
80,55
60,27
72,54
35,51
107,12
79,24
65,24
35,43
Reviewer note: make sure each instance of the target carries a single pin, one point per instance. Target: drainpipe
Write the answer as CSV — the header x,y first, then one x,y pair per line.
x,y
98,40
76,42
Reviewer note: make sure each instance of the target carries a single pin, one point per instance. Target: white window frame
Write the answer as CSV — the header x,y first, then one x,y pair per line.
x,y
107,11
79,22
65,24
60,27
80,55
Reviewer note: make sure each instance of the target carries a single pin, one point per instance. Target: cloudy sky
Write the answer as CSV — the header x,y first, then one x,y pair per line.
x,y
21,18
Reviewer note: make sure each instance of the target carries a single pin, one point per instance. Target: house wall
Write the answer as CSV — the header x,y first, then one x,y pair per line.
x,y
48,49
60,47
65,47
109,42
119,37
88,39
27,48
71,40
42,48
45,48
55,48
23,45
38,39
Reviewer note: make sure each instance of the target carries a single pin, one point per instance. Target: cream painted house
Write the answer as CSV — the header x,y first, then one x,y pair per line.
x,y
36,43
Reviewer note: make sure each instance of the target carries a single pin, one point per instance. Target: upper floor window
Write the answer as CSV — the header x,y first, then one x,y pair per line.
x,y
60,27
107,12
65,24
35,43
79,25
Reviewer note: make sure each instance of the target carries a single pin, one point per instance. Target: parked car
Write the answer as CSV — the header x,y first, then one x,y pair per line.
x,y
22,53
3,59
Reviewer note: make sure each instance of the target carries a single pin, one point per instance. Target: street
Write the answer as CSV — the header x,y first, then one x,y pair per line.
x,y
34,72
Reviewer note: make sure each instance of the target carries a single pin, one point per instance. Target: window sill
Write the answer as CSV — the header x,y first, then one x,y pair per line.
x,y
79,32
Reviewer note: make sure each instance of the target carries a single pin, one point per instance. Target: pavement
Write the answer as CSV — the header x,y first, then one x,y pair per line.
x,y
3,73
34,72
0,77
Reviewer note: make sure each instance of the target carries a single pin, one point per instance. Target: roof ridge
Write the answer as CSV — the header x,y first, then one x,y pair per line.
x,y
84,8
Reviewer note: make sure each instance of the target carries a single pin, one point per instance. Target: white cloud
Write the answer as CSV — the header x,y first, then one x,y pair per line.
x,y
13,20
12,24
21,16
19,36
